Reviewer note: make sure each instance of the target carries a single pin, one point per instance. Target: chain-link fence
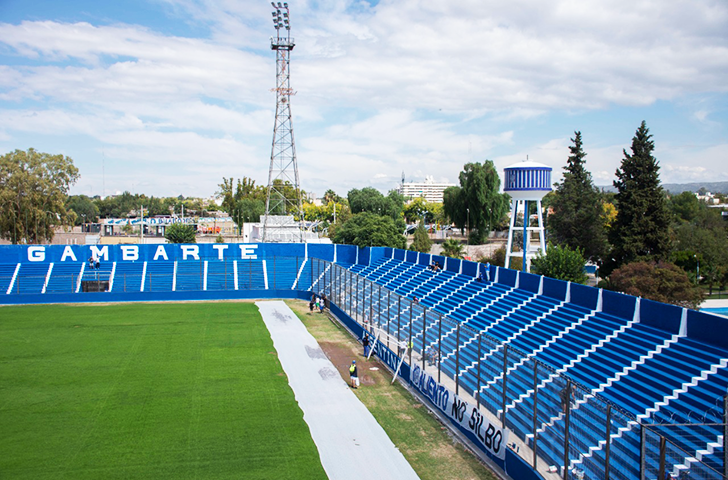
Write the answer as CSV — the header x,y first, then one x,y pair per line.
x,y
554,422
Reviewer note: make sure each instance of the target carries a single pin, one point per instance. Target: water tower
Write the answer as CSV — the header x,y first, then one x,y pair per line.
x,y
526,182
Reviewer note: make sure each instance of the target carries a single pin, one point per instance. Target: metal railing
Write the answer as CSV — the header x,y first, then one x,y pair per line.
x,y
556,425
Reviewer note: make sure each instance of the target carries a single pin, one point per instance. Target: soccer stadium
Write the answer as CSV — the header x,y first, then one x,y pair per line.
x,y
548,379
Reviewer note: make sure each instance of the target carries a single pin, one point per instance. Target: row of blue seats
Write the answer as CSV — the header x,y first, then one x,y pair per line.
x,y
154,276
638,391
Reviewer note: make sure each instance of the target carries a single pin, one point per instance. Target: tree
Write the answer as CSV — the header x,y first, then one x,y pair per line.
x,y
476,204
371,200
641,228
370,230
561,263
180,233
419,208
422,242
659,281
452,248
33,191
577,221
84,208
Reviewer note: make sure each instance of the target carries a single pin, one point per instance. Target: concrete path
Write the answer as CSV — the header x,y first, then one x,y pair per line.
x,y
351,443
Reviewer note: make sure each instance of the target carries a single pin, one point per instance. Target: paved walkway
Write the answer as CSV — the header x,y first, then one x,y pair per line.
x,y
351,443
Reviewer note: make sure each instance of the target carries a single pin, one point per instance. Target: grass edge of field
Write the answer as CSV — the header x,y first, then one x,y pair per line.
x,y
426,443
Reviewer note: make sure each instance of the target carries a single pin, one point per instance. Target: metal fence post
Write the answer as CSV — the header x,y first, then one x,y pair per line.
x,y
567,412
643,452
410,346
371,305
424,342
457,360
725,436
389,313
608,445
535,415
399,316
661,473
439,347
505,383
477,383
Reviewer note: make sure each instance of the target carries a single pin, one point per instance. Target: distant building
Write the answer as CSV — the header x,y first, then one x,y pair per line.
x,y
429,190
708,198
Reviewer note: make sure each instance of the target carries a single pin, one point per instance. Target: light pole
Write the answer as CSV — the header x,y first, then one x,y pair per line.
x,y
468,238
697,272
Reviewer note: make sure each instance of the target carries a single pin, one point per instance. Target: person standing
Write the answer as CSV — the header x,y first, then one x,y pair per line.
x,y
353,375
365,342
312,303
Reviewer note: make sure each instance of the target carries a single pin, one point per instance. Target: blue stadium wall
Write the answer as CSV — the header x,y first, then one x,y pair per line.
x,y
700,326
703,327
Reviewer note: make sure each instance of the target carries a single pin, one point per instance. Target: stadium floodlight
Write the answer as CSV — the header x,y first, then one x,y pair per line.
x,y
279,5
285,5
274,4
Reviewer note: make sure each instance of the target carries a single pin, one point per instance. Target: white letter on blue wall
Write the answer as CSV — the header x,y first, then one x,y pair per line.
x,y
36,254
247,252
161,252
68,252
102,253
220,249
190,251
129,252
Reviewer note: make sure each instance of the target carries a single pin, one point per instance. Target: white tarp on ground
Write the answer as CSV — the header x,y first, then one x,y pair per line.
x,y
351,443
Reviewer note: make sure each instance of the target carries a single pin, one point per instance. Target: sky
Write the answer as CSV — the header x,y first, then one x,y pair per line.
x,y
167,97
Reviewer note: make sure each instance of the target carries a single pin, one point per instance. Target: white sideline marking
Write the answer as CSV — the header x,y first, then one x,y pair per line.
x,y
351,444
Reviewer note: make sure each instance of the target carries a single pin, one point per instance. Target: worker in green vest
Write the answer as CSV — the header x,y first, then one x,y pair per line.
x,y
353,375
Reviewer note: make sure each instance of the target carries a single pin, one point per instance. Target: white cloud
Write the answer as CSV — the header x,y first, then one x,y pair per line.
x,y
409,85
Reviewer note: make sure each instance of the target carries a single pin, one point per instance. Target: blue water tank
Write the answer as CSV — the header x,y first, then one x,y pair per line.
x,y
527,180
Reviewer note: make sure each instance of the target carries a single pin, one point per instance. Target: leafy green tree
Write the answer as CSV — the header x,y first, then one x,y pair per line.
x,y
685,207
422,242
641,229
84,208
562,263
659,281
452,248
476,204
371,200
497,258
709,245
420,208
33,191
369,230
180,233
577,221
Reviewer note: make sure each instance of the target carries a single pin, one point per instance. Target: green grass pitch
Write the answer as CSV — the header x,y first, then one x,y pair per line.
x,y
158,391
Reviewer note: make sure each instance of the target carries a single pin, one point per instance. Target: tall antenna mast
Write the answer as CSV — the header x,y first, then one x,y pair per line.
x,y
284,192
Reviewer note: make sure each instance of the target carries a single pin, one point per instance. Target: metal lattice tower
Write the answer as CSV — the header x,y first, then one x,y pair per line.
x,y
283,173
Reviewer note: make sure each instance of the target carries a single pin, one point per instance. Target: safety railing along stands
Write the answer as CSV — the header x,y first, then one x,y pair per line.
x,y
557,422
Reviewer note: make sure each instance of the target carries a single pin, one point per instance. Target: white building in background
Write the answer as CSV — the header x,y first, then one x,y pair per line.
x,y
429,190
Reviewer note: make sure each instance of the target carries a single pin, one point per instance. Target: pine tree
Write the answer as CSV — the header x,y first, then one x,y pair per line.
x,y
640,231
577,219
422,242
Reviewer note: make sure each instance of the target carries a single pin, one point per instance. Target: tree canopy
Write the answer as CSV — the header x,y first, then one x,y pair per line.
x,y
659,281
476,204
33,191
371,200
641,228
84,208
577,220
422,242
180,233
562,263
370,230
